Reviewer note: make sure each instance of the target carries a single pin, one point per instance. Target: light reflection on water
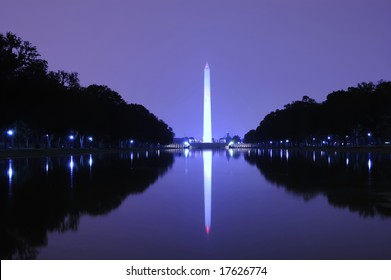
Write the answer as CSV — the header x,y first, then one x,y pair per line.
x,y
10,171
207,156
71,166
47,166
90,161
273,204
369,163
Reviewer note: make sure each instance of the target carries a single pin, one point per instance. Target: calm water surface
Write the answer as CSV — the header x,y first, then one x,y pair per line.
x,y
253,204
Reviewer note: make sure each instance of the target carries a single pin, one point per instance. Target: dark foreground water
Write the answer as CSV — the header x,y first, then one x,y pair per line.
x,y
256,204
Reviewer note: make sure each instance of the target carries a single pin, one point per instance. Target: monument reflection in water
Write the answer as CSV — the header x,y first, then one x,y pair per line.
x,y
267,204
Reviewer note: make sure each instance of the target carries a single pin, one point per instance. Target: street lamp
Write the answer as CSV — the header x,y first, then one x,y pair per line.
x,y
71,138
369,138
10,133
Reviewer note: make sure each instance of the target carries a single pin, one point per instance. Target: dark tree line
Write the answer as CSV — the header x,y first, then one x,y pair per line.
x,y
48,108
357,116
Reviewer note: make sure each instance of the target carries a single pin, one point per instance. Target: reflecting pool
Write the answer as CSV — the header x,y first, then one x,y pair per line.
x,y
223,204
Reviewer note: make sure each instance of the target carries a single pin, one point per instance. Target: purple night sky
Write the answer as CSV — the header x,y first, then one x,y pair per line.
x,y
262,53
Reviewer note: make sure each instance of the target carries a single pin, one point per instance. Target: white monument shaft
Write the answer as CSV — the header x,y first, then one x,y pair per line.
x,y
207,137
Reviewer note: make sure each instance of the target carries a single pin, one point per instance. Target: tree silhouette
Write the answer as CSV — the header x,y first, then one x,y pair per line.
x,y
357,116
53,105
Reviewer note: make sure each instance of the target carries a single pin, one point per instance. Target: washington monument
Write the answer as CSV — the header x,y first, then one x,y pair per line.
x,y
207,137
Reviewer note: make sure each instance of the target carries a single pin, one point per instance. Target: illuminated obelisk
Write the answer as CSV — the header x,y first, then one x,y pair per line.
x,y
207,137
